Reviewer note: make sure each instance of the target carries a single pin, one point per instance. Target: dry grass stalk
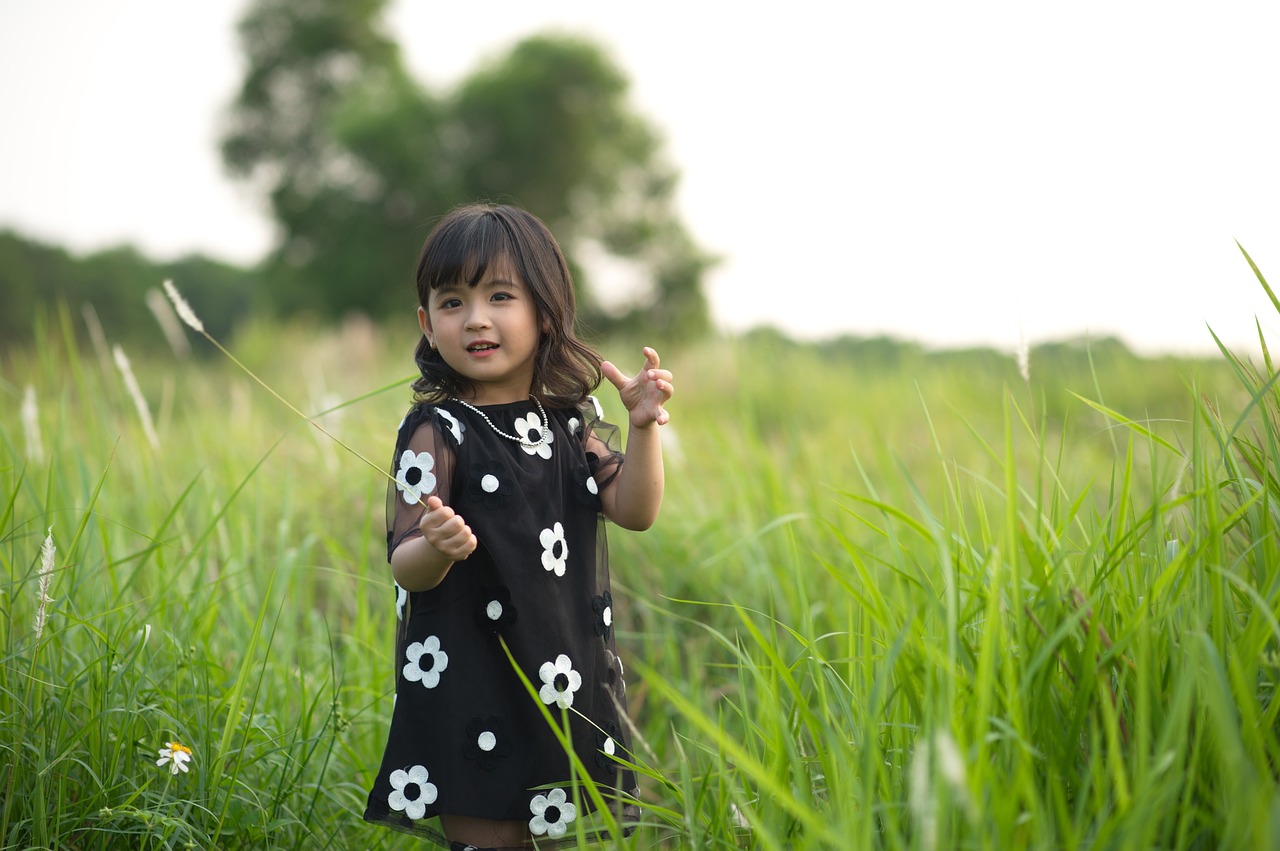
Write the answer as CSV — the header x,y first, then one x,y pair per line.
x,y
131,383
96,334
187,315
168,321
31,426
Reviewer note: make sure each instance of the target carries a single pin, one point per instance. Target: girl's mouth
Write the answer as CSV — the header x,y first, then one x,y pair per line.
x,y
482,347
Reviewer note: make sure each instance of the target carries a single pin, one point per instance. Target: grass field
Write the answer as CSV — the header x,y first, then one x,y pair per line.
x,y
895,599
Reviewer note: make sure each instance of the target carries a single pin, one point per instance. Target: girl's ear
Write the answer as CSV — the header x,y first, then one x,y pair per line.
x,y
424,322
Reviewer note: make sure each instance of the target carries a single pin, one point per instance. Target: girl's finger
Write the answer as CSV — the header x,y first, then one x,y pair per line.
x,y
615,376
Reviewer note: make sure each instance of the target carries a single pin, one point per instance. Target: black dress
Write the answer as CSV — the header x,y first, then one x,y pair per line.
x,y
467,738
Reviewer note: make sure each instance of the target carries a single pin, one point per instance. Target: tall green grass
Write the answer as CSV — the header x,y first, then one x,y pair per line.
x,y
922,605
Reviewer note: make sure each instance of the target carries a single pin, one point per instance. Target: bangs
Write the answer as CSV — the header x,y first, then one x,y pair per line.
x,y
464,249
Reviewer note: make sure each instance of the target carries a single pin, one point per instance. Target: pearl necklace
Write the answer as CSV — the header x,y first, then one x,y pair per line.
x,y
523,441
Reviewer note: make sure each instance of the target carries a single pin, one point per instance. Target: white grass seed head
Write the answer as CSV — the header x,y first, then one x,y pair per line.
x,y
185,313
47,553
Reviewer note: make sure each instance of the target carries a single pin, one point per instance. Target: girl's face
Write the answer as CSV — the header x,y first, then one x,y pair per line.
x,y
488,333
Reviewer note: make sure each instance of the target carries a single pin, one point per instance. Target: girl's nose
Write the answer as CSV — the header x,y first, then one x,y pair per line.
x,y
477,319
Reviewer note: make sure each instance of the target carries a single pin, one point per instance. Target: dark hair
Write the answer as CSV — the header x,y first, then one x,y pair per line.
x,y
459,249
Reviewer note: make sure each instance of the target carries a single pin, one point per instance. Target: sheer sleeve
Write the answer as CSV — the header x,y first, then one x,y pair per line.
x,y
422,466
602,442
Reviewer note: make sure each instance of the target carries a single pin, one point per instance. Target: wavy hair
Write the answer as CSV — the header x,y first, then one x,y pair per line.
x,y
464,244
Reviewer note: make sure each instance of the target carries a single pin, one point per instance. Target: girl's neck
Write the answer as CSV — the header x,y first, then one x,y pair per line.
x,y
489,395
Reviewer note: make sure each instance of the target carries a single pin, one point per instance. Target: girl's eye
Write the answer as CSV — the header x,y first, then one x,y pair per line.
x,y
450,302
501,297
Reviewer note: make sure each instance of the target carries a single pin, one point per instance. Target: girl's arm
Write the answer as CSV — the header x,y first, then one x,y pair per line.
x,y
420,564
633,498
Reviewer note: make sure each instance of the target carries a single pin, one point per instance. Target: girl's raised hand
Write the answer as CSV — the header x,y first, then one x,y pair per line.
x,y
445,530
644,394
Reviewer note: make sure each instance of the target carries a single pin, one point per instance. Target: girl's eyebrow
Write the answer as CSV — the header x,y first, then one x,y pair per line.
x,y
492,283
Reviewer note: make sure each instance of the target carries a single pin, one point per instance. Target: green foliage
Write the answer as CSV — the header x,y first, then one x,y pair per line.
x,y
896,599
111,284
358,160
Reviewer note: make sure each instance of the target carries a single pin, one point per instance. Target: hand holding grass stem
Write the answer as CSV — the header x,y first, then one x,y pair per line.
x,y
445,530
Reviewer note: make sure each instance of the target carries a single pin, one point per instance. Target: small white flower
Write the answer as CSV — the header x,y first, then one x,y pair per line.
x,y
610,747
551,814
490,483
486,741
177,755
493,610
436,661
416,807
530,428
415,477
592,487
402,597
555,550
574,425
595,403
455,428
560,681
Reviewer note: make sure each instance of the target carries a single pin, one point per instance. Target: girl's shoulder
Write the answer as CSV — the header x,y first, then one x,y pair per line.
x,y
580,419
432,415
588,424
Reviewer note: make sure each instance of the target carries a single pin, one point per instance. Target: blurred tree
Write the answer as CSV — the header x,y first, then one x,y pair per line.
x,y
358,160
306,59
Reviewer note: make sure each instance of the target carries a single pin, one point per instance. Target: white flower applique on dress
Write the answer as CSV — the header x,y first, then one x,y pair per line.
x,y
426,661
560,681
552,813
555,549
455,428
415,780
530,428
415,477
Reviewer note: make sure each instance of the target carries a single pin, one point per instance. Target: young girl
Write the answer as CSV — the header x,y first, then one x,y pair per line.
x,y
516,471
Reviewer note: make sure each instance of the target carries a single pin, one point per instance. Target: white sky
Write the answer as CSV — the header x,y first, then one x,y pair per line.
x,y
953,173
